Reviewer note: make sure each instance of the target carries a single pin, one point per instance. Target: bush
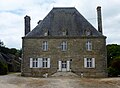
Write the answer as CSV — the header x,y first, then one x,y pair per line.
x,y
112,72
3,68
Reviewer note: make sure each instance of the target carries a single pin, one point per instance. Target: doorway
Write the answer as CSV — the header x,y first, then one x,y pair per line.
x,y
63,65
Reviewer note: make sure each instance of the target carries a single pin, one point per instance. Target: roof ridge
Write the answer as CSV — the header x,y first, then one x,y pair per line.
x,y
63,7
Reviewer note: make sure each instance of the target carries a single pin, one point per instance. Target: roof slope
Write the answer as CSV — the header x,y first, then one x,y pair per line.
x,y
63,19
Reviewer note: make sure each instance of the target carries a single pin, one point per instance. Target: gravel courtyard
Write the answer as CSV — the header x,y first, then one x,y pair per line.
x,y
16,81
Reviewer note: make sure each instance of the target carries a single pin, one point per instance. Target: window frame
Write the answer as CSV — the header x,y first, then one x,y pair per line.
x,y
89,46
64,46
39,62
89,62
35,62
44,62
45,46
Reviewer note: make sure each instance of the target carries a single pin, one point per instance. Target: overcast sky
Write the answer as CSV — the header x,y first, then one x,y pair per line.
x,y
12,14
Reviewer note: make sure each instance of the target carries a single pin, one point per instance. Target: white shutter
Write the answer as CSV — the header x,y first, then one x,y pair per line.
x,y
48,63
40,62
59,65
85,62
31,61
93,62
68,65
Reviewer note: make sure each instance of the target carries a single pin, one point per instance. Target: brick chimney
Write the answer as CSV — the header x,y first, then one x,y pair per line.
x,y
27,24
99,18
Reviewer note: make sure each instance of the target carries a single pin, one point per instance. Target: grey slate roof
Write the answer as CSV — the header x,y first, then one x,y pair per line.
x,y
63,19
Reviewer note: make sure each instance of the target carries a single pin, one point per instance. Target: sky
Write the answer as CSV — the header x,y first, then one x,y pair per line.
x,y
12,13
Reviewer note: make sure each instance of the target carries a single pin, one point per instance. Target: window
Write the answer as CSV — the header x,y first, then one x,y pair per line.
x,y
89,62
88,46
46,34
87,32
39,62
33,62
64,46
45,46
64,33
45,61
64,64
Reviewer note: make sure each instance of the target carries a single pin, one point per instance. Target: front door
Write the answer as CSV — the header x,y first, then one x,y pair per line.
x,y
64,66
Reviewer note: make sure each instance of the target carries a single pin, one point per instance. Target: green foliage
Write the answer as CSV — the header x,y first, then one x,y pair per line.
x,y
3,68
113,51
112,71
113,59
13,51
11,57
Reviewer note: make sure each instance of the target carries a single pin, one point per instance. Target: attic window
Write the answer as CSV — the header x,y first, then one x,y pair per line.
x,y
87,32
46,33
64,33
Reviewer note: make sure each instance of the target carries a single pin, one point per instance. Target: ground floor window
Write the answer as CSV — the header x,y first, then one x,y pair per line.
x,y
39,62
45,62
35,62
89,62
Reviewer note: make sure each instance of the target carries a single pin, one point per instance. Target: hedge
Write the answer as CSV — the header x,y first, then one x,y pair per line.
x,y
3,68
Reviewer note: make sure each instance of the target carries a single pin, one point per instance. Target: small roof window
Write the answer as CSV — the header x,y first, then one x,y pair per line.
x,y
46,33
88,32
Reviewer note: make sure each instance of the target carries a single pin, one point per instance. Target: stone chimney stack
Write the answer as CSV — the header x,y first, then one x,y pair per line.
x,y
27,24
99,18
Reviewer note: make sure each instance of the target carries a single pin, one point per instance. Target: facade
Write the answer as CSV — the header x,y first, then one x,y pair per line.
x,y
64,41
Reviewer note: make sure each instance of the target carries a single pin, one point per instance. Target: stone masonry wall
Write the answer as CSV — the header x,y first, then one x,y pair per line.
x,y
76,52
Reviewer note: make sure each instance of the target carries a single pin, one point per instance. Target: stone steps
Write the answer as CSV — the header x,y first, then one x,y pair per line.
x,y
64,74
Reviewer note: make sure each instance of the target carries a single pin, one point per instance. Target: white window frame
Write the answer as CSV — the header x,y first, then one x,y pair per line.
x,y
64,46
45,62
45,46
39,62
34,63
89,62
89,46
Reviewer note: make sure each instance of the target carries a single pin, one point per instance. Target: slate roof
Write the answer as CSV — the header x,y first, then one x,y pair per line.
x,y
59,20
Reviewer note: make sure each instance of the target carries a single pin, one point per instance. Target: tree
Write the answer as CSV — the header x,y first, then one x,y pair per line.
x,y
113,51
114,69
113,59
3,68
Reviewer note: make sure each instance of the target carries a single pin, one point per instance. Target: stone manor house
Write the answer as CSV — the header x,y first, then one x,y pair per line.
x,y
64,41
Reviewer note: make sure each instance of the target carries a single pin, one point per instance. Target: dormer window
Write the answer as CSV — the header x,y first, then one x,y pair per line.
x,y
64,33
46,33
87,32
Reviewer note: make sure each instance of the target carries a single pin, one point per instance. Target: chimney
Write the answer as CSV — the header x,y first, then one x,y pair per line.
x,y
27,24
99,18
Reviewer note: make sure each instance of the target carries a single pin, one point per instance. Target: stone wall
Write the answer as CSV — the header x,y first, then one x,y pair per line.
x,y
76,52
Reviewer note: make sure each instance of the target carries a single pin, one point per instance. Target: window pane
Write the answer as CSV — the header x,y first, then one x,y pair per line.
x,y
64,46
45,45
45,62
88,45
